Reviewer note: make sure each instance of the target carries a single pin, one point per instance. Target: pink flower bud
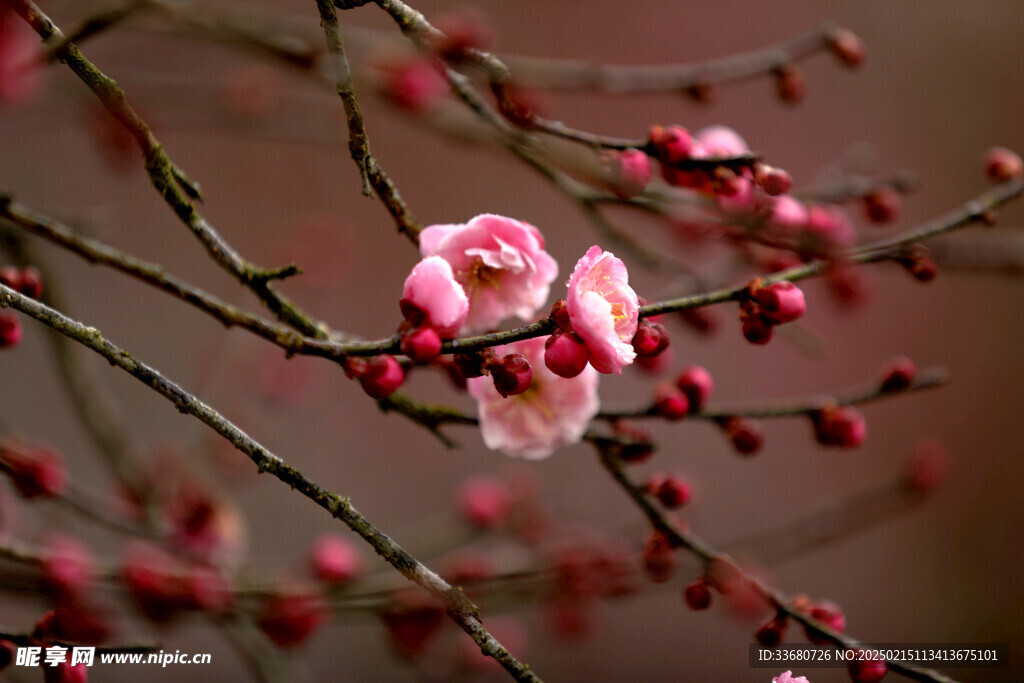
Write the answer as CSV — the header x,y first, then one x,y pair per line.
x,y
34,471
631,172
463,30
884,205
697,595
745,434
788,216
513,375
659,558
781,302
864,669
11,277
696,382
485,502
383,377
519,104
774,181
828,229
290,618
670,402
335,560
919,262
926,467
565,354
421,345
1002,164
790,84
848,48
31,284
650,339
829,614
842,426
772,631
10,330
672,144
75,623
22,67
68,568
898,374
415,85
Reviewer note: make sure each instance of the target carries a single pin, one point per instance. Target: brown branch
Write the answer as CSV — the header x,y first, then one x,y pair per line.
x,y
928,379
172,183
680,538
358,140
459,607
556,74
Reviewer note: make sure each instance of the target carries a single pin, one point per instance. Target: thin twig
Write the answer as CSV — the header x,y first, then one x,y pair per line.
x,y
458,606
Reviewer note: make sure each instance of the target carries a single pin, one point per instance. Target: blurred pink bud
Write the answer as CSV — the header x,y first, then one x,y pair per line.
x,y
415,85
829,614
842,426
485,502
864,669
772,631
884,205
848,47
335,559
659,558
69,568
290,618
10,330
21,66
412,619
696,382
421,345
64,672
1002,164
31,284
672,144
721,142
790,84
744,433
788,216
631,172
756,328
34,470
697,595
927,466
898,373
670,402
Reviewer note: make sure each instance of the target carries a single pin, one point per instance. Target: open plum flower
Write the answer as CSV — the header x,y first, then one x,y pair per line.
x,y
603,309
500,263
553,412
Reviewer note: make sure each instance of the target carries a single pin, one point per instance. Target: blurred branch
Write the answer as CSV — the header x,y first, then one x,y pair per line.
x,y
680,538
172,184
559,74
931,378
358,140
458,606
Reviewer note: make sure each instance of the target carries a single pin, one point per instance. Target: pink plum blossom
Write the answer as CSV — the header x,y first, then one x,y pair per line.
x,y
500,263
553,412
603,309
21,66
788,677
719,141
431,287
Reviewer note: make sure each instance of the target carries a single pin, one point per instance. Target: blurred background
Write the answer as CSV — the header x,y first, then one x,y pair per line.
x,y
942,83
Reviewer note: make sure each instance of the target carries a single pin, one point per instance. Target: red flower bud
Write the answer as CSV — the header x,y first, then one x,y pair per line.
x,y
383,377
412,620
774,181
672,144
421,344
756,328
781,302
34,471
1002,164
830,615
10,330
848,48
11,276
660,560
745,434
697,595
842,426
289,619
31,282
650,339
898,374
884,205
696,382
772,631
671,403
673,492
863,669
790,84
565,354
512,375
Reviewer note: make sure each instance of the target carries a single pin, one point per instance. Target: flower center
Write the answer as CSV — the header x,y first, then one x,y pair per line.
x,y
480,274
